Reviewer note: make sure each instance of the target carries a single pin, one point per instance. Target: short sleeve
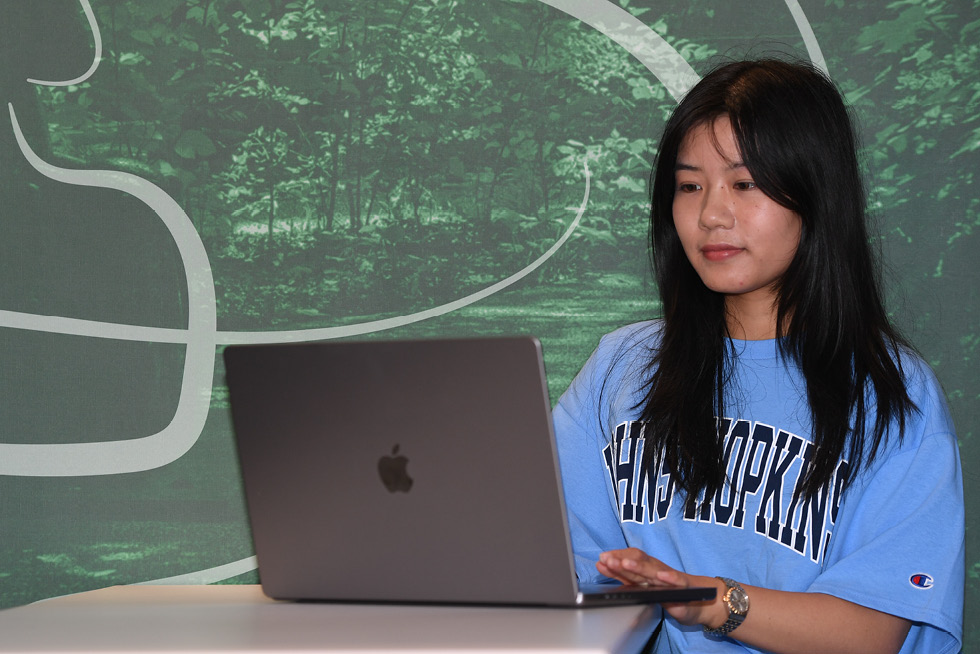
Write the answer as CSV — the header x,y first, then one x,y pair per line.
x,y
581,421
899,537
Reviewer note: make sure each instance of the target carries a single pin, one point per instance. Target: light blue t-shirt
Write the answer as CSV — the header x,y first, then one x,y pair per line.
x,y
892,541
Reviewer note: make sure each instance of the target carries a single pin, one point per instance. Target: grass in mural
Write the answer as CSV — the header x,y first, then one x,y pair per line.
x,y
139,551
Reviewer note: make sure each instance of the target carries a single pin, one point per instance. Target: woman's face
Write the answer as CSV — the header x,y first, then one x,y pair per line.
x,y
739,240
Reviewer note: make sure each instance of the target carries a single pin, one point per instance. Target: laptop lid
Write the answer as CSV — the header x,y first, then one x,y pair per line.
x,y
405,471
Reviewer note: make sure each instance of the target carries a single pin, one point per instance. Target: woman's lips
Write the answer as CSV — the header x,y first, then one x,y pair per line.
x,y
720,252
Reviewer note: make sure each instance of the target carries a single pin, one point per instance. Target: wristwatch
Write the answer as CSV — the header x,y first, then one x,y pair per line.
x,y
738,607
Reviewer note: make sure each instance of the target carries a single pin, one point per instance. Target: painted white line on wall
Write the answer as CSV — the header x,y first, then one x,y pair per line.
x,y
637,38
809,38
209,576
172,442
96,38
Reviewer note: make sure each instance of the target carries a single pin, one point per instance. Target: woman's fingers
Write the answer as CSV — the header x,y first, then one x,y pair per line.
x,y
631,566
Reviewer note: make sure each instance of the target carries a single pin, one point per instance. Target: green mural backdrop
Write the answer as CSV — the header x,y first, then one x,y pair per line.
x,y
179,175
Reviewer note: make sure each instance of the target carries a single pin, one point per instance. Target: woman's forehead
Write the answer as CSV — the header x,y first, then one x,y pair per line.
x,y
713,135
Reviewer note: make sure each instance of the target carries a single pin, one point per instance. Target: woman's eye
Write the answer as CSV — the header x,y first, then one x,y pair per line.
x,y
687,187
744,185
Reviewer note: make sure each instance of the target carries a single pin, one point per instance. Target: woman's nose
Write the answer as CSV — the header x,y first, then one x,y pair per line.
x,y
718,208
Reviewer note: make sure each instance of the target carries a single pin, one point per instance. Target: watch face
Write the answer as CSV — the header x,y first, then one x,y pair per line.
x,y
739,601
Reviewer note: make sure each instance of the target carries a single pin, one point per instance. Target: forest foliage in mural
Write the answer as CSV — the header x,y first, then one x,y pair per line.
x,y
349,160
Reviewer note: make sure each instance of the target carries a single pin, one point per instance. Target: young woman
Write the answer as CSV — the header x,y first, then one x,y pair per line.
x,y
772,435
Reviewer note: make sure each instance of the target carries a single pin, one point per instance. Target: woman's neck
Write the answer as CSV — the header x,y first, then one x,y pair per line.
x,y
751,318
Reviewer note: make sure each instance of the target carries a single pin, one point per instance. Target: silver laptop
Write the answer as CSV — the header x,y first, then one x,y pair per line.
x,y
407,471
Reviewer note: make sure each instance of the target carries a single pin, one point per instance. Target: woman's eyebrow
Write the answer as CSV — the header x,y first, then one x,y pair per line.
x,y
684,166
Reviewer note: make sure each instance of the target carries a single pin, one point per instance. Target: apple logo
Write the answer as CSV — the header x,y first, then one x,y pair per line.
x,y
394,472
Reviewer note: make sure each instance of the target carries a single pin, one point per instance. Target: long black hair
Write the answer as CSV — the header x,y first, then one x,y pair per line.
x,y
796,138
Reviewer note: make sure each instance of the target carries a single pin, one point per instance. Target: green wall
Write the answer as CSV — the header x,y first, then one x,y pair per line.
x,y
178,175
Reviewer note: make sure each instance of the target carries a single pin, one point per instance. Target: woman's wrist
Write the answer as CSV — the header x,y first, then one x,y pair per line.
x,y
714,613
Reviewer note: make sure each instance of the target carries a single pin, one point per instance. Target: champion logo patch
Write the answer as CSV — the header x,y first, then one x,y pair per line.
x,y
921,581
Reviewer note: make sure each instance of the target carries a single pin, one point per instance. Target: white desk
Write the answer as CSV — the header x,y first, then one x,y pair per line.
x,y
157,619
